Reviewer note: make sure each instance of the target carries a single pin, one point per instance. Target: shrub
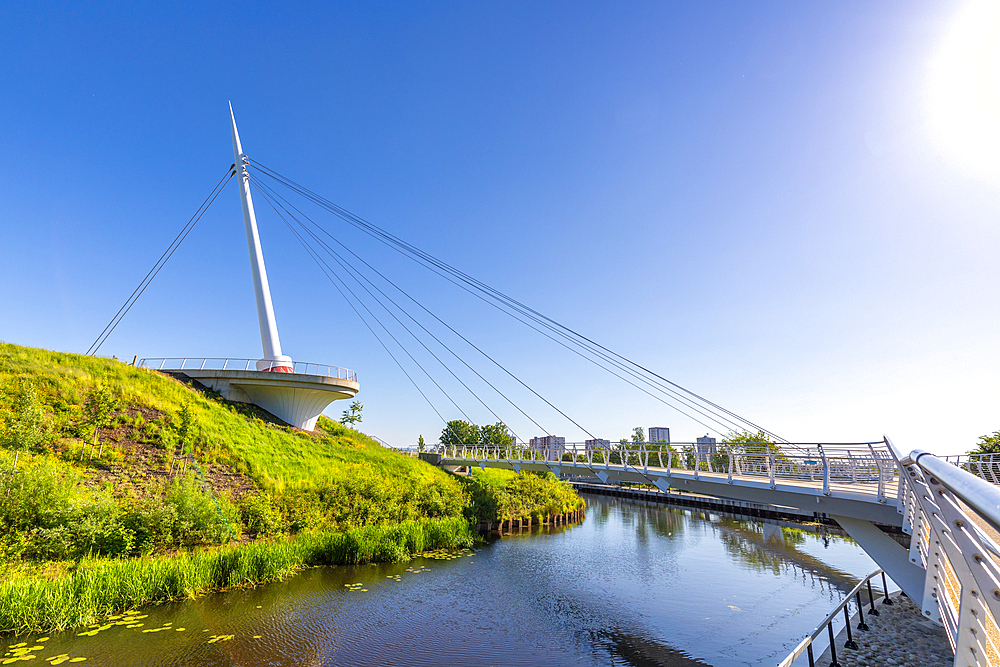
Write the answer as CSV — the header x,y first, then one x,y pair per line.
x,y
259,516
201,519
24,428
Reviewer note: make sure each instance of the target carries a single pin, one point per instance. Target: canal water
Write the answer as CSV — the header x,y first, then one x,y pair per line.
x,y
633,584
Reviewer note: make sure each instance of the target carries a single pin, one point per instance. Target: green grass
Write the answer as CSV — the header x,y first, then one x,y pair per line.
x,y
99,589
501,495
70,530
276,457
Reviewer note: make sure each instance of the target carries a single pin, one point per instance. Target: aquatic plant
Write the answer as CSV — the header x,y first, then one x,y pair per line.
x,y
100,588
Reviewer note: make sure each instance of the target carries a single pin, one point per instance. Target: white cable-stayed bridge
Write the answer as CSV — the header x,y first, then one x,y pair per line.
x,y
950,508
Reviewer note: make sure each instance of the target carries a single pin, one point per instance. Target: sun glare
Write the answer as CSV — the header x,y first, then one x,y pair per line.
x,y
964,91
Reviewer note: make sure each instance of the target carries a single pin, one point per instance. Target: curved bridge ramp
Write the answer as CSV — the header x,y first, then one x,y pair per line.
x,y
949,505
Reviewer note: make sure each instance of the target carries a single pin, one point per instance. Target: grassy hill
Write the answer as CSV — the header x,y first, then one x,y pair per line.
x,y
112,476
174,467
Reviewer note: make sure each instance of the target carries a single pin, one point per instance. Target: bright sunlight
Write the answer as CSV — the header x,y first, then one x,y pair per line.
x,y
964,91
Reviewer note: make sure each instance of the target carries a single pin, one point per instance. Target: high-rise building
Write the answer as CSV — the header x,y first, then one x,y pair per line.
x,y
597,443
551,447
659,434
705,448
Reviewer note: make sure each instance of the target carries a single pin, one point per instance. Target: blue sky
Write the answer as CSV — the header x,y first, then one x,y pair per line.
x,y
790,208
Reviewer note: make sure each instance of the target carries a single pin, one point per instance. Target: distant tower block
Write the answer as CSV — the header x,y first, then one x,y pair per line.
x,y
294,392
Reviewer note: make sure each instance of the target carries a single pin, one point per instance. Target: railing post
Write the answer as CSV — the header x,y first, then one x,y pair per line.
x,y
872,611
826,470
861,614
770,466
885,590
881,482
850,643
833,645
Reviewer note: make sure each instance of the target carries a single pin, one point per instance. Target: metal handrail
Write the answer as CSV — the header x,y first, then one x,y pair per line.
x,y
805,646
230,364
869,466
974,491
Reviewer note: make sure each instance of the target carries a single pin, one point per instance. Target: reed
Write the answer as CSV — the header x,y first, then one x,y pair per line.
x,y
100,588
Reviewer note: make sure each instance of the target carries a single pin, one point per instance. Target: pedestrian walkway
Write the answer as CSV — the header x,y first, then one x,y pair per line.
x,y
898,636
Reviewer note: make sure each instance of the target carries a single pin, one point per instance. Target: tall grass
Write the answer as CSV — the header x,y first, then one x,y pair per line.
x,y
99,589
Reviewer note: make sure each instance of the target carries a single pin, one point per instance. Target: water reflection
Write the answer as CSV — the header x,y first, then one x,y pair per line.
x,y
634,584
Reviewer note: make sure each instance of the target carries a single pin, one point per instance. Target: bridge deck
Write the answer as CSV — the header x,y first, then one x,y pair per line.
x,y
859,483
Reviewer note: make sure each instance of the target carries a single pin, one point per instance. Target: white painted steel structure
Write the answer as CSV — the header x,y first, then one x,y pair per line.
x,y
950,506
295,392
273,358
228,364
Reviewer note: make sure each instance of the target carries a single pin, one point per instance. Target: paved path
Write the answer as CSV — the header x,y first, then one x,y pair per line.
x,y
899,635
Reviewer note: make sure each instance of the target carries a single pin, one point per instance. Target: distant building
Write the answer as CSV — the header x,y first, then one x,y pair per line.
x,y
551,447
597,443
705,447
659,433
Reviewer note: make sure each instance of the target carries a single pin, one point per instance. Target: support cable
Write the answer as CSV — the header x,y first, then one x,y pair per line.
x,y
359,277
167,254
421,257
594,348
720,421
319,261
521,382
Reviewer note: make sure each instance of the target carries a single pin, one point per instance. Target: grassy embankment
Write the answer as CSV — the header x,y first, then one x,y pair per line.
x,y
497,495
184,475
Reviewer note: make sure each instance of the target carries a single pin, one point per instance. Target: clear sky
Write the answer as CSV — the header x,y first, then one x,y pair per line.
x,y
788,207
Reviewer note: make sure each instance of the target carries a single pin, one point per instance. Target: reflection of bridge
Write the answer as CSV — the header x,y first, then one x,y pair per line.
x,y
951,512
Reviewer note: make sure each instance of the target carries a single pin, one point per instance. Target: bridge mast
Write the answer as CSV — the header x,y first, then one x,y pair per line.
x,y
273,359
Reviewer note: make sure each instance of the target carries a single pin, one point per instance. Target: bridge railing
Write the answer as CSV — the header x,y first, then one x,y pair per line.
x,y
835,466
952,513
227,364
806,645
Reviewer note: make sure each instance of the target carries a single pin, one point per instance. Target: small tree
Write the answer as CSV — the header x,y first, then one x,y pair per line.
x,y
100,409
420,444
756,447
25,424
988,444
495,434
459,432
184,428
638,436
352,415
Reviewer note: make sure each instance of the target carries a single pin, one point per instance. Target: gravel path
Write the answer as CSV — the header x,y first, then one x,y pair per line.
x,y
899,635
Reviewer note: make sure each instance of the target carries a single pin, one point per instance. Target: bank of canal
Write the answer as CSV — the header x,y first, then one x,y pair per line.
x,y
634,584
